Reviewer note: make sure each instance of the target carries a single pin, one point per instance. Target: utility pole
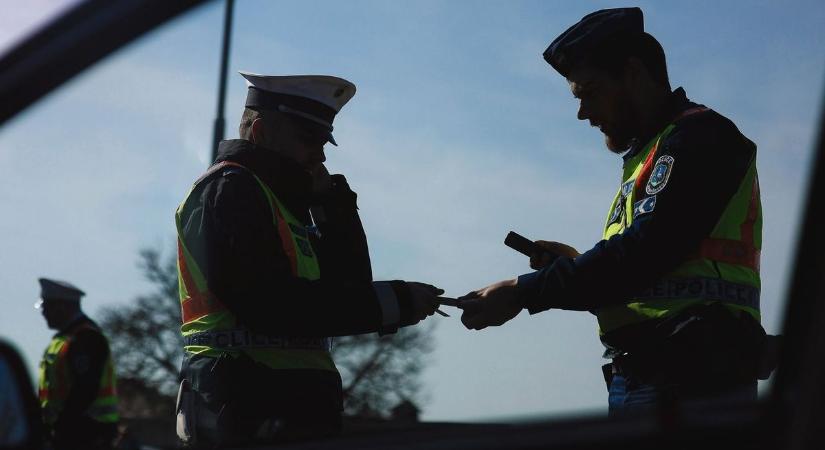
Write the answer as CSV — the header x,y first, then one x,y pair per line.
x,y
219,120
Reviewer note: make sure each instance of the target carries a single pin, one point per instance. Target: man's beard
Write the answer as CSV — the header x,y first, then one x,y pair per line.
x,y
617,142
619,133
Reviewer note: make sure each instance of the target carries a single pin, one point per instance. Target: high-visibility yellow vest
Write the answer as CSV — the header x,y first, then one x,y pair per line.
x,y
55,381
209,329
725,269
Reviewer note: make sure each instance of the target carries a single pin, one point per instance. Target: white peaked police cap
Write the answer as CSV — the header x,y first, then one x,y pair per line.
x,y
317,98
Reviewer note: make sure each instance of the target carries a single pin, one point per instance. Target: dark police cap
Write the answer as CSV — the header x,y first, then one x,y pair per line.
x,y
572,46
59,290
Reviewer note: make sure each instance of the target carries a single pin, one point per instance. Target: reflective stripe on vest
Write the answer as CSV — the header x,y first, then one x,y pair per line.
x,y
700,287
247,339
55,382
209,329
725,267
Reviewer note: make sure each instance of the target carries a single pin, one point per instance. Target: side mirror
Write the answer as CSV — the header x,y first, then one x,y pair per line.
x,y
20,425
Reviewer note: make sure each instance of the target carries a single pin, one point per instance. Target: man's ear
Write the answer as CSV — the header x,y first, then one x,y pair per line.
x,y
256,134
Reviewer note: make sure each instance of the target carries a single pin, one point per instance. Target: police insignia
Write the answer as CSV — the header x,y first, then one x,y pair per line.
x,y
627,187
616,216
618,208
659,176
644,206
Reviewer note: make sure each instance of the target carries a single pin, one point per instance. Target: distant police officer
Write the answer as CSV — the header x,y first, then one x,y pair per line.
x,y
273,261
674,282
76,376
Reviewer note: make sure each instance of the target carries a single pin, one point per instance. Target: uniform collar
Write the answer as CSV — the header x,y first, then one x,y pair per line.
x,y
676,104
288,180
77,319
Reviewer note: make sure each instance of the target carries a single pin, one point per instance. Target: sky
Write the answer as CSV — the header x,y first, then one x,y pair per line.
x,y
459,132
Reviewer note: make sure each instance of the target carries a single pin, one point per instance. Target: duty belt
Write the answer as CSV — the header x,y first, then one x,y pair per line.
x,y
705,288
248,339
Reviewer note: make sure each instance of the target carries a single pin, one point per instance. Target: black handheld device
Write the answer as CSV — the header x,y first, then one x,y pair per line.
x,y
525,246
522,245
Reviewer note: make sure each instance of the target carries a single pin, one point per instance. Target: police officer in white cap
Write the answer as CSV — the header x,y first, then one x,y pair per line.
x,y
273,261
76,376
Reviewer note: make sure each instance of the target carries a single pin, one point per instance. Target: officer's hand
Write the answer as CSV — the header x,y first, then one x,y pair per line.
x,y
553,248
424,300
321,180
491,306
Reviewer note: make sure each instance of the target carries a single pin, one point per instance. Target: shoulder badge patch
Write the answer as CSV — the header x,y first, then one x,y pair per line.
x,y
659,176
644,206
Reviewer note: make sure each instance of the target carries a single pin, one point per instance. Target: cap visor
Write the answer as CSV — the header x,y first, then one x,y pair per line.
x,y
332,140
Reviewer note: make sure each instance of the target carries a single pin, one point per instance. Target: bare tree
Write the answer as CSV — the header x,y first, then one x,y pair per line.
x,y
145,336
378,372
381,372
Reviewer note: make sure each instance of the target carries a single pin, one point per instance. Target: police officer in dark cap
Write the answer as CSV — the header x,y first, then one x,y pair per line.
x,y
674,281
76,376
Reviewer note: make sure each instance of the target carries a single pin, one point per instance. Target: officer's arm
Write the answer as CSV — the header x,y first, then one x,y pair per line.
x,y
87,356
246,266
711,158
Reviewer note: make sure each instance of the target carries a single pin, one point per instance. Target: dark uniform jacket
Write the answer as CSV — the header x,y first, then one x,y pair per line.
x,y
229,230
228,227
711,157
86,358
